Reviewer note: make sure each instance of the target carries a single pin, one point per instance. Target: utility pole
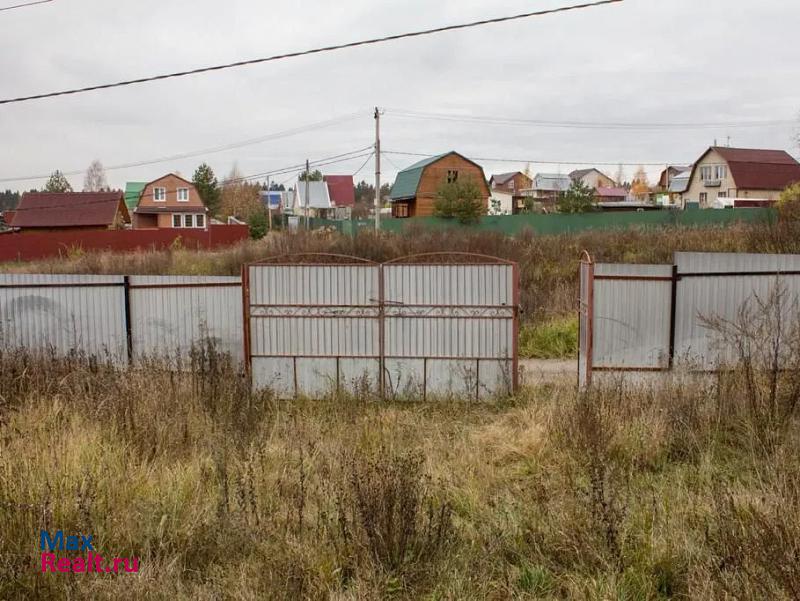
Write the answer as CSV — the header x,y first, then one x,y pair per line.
x,y
269,204
307,197
377,169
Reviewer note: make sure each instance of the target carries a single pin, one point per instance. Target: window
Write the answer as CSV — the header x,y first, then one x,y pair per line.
x,y
187,221
452,176
703,198
722,195
401,210
720,172
183,194
176,221
200,220
706,173
159,194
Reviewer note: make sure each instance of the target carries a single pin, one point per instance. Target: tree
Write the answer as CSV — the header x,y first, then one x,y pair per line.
x,y
578,199
459,199
239,198
620,175
207,187
641,185
314,176
788,204
276,187
95,180
259,224
57,183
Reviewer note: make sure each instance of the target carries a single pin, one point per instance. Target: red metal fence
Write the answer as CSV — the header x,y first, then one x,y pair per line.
x,y
30,246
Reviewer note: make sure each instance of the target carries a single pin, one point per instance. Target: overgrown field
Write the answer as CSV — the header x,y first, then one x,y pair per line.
x,y
548,264
684,491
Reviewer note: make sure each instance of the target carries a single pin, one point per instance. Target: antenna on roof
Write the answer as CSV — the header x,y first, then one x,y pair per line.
x,y
729,141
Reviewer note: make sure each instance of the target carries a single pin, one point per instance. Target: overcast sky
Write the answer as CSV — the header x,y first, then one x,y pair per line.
x,y
641,61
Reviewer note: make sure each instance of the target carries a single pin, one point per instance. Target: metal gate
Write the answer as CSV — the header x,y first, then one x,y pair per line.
x,y
438,324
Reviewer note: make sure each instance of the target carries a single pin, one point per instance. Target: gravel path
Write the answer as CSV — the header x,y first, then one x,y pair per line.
x,y
546,371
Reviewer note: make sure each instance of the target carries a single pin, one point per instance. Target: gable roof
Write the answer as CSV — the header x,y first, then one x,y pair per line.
x,y
341,190
758,169
407,182
503,178
318,195
581,173
69,209
552,182
611,192
133,190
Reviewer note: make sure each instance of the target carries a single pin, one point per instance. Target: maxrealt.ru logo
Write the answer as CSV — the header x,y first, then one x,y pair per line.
x,y
86,561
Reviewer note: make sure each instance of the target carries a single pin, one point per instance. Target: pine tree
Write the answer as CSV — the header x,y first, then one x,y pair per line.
x,y
57,183
207,187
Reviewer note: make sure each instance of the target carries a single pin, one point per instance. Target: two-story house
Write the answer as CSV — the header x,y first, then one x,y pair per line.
x,y
507,189
593,178
725,176
170,202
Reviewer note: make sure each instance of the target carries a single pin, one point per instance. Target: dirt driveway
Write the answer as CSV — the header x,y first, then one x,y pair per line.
x,y
546,371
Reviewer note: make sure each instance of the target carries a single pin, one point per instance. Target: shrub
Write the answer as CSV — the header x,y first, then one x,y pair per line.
x,y
553,339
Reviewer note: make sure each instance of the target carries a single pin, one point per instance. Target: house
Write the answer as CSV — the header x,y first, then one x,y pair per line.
x,y
43,211
319,199
678,185
503,203
547,187
414,191
133,190
666,177
510,183
610,195
170,202
593,178
342,192
725,175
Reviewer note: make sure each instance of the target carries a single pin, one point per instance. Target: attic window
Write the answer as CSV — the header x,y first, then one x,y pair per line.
x,y
452,176
159,194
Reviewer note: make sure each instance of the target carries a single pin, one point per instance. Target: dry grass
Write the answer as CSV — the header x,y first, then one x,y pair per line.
x,y
548,264
627,493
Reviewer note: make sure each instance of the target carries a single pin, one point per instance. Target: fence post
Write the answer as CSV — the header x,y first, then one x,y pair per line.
x,y
381,334
672,310
246,321
126,280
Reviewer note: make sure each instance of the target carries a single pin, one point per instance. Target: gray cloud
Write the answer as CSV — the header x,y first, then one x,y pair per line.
x,y
641,61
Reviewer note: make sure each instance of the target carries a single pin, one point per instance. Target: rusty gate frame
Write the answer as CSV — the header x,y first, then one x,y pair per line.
x,y
431,258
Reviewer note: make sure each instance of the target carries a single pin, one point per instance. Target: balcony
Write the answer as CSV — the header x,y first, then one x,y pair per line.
x,y
712,183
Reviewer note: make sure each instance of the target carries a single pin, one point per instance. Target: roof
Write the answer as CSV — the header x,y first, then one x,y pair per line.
x,y
553,182
503,178
611,192
341,190
407,182
68,209
172,209
680,182
317,193
581,173
756,169
133,190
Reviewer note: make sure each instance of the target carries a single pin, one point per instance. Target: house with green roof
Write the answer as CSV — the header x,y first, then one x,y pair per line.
x,y
414,191
133,190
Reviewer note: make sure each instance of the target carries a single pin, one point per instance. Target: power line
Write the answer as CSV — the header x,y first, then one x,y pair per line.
x,y
582,124
372,154
503,160
24,5
320,50
331,160
194,153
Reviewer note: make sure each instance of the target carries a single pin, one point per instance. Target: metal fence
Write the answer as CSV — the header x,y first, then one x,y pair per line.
x,y
420,326
120,317
650,318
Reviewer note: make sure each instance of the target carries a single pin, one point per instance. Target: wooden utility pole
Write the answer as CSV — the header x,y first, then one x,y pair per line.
x,y
269,204
308,176
378,202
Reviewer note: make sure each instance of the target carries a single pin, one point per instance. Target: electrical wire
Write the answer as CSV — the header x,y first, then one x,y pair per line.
x,y
287,55
372,154
503,160
581,124
205,151
2,8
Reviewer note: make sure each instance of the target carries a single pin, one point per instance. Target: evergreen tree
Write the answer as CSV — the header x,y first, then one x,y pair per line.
x,y
57,183
207,187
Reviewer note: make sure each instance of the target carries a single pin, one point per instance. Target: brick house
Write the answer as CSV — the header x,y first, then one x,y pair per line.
x,y
170,202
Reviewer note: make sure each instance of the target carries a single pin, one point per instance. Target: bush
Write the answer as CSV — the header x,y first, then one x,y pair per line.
x,y
553,339
460,199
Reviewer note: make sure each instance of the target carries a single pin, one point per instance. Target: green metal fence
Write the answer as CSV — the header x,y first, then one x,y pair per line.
x,y
564,224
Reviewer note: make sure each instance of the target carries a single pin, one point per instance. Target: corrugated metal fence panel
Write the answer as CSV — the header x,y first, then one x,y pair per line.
x,y
65,312
584,329
449,329
714,296
314,328
170,314
309,285
631,316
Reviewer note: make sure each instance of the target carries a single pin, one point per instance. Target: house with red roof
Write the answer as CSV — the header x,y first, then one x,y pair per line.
x,y
60,211
725,176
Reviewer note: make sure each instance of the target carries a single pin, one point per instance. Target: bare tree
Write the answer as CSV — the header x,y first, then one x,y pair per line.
x,y
95,180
